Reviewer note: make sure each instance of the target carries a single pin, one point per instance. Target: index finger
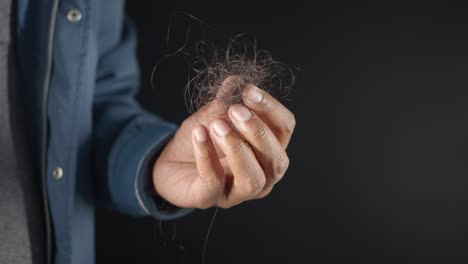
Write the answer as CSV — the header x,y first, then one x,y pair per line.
x,y
280,120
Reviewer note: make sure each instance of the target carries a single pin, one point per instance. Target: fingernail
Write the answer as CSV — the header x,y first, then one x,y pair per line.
x,y
241,113
200,134
221,128
253,95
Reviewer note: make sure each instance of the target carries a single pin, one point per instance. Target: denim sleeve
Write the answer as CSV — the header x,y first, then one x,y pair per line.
x,y
127,138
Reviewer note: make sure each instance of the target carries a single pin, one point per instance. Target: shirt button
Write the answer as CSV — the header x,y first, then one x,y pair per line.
x,y
57,173
74,15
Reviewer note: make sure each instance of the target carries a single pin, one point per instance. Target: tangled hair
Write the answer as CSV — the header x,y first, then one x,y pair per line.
x,y
210,66
234,67
242,60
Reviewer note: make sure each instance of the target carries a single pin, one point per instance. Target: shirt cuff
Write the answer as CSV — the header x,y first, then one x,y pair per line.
x,y
131,185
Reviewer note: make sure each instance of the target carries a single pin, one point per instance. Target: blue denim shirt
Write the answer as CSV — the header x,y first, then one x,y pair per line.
x,y
92,142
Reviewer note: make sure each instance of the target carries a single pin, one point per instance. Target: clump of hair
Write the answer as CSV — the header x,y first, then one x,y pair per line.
x,y
221,74
241,64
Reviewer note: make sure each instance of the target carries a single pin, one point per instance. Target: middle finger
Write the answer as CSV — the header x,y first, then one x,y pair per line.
x,y
249,178
267,148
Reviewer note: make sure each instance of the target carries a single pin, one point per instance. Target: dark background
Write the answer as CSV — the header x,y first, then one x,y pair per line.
x,y
379,157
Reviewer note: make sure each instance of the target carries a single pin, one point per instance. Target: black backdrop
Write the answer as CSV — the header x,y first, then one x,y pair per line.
x,y
379,157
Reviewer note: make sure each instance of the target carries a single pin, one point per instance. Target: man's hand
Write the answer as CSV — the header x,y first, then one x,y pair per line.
x,y
212,161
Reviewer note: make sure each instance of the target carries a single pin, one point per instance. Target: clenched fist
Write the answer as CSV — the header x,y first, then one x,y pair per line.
x,y
223,160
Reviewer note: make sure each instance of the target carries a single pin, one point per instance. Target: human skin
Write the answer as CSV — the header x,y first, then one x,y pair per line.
x,y
218,159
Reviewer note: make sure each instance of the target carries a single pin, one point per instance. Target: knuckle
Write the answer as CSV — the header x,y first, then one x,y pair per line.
x,y
280,166
255,185
291,123
237,148
261,132
204,157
